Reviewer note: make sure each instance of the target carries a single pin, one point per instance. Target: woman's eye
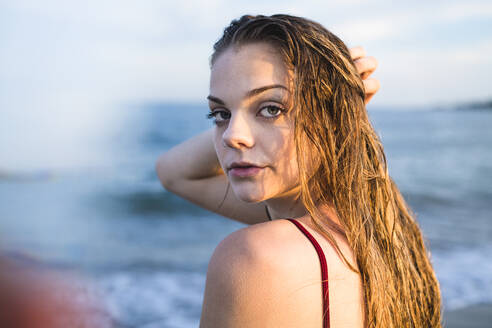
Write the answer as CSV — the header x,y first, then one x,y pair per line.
x,y
219,115
271,111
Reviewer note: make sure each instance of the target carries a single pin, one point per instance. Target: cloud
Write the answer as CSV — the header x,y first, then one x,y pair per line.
x,y
435,77
466,10
65,67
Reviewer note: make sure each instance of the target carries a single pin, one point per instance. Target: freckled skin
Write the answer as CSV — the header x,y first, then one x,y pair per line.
x,y
246,134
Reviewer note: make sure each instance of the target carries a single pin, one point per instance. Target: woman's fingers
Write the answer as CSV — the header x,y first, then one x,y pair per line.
x,y
357,52
365,66
371,86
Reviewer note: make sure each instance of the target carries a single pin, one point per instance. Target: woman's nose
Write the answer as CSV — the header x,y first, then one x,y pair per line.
x,y
238,133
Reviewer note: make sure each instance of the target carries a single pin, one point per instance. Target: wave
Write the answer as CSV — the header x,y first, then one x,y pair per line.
x,y
158,299
144,298
147,202
27,176
465,275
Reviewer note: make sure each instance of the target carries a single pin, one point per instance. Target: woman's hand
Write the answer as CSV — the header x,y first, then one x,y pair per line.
x,y
365,66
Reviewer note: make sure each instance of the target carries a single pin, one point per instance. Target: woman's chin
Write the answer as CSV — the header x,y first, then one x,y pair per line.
x,y
249,195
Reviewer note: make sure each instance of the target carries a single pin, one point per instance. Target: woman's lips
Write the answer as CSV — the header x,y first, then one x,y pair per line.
x,y
245,171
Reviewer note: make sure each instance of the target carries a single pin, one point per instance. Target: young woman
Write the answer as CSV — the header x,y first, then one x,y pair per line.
x,y
293,141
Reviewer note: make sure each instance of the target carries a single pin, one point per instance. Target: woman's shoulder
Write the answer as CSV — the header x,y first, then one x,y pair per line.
x,y
257,276
278,243
249,283
271,243
289,266
284,241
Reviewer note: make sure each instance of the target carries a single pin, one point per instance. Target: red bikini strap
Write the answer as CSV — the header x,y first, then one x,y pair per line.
x,y
324,273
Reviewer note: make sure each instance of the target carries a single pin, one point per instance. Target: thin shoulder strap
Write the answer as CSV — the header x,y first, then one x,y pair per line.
x,y
324,273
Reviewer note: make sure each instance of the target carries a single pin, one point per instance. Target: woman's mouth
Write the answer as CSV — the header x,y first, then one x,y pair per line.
x,y
245,171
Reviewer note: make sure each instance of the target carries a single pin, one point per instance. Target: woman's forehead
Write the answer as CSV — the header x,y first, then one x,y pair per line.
x,y
248,67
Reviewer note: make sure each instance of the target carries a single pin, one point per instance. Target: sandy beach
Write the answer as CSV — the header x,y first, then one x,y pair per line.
x,y
476,316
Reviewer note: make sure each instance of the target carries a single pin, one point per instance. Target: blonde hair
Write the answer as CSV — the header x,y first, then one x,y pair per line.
x,y
399,283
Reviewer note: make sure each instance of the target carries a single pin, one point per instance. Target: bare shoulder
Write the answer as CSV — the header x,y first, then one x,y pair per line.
x,y
267,274
250,283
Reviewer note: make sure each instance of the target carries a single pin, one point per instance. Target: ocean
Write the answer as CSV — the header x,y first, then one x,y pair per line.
x,y
144,251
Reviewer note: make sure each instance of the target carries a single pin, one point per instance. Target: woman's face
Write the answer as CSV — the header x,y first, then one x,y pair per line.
x,y
250,93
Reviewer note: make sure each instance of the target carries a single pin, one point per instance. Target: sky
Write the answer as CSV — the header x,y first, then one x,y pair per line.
x,y
67,66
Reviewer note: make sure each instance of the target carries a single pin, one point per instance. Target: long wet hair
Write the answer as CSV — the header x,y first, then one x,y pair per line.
x,y
399,283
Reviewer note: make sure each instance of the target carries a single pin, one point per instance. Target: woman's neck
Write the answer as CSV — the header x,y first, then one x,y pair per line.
x,y
289,206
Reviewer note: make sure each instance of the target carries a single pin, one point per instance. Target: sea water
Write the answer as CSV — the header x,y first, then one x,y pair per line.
x,y
146,250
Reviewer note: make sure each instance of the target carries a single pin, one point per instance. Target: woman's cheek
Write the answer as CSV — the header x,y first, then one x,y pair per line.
x,y
286,156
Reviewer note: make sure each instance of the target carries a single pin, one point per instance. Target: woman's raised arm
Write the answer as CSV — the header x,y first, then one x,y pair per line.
x,y
191,170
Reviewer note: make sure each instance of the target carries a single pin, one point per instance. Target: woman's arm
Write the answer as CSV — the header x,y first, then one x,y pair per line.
x,y
191,170
178,163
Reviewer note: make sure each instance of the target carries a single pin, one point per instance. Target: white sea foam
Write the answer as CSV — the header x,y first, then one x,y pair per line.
x,y
154,299
465,275
173,299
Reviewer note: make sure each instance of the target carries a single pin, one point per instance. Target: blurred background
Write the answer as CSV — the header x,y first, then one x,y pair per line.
x,y
91,92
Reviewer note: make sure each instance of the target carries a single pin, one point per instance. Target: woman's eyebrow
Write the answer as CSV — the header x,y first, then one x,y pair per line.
x,y
250,93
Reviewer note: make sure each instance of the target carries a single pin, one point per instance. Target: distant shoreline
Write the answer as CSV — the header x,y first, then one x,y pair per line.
x,y
479,105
